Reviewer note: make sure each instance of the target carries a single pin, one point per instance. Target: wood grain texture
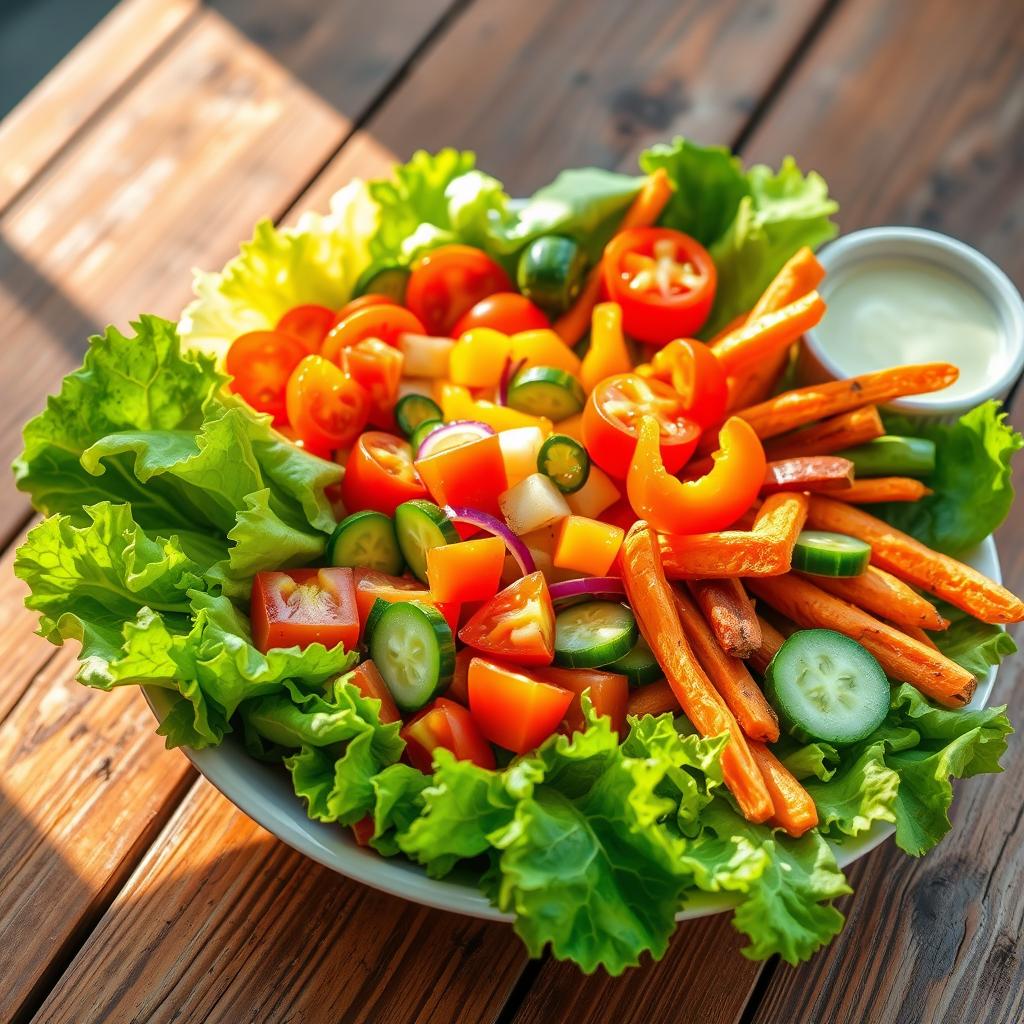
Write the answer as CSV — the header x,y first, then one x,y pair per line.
x,y
103,63
222,923
84,785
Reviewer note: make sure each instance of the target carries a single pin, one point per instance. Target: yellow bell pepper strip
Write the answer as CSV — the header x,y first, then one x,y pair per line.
x,y
709,503
478,358
587,545
607,354
458,404
543,347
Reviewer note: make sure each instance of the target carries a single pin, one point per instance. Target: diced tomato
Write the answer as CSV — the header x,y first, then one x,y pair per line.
x,y
608,692
459,689
508,312
363,829
299,607
371,684
518,623
379,474
472,475
377,367
449,725
325,408
512,709
260,364
370,584
309,324
383,321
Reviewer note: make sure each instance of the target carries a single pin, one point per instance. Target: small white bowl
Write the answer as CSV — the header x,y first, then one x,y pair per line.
x,y
818,364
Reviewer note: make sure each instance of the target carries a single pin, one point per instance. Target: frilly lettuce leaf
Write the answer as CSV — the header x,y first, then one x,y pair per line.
x,y
397,803
862,792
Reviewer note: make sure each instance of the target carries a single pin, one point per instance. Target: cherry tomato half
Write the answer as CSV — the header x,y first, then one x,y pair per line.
x,y
508,312
612,417
362,303
664,280
378,368
325,408
379,474
260,364
382,321
449,725
449,281
309,324
692,369
518,623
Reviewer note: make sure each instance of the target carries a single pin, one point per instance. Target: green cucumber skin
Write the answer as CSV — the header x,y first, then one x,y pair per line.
x,y
389,280
597,654
638,665
407,532
421,403
546,391
823,553
336,554
892,456
551,272
399,616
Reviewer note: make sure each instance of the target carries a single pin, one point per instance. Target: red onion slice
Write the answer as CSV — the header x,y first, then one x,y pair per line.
x,y
588,586
451,435
494,526
509,371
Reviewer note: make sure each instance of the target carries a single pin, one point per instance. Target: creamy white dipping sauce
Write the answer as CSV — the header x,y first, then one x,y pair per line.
x,y
887,311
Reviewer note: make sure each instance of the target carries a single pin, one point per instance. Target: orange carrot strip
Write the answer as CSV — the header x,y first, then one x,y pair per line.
x,y
652,699
730,614
918,634
729,676
847,430
644,211
771,641
884,488
900,656
794,808
885,595
911,561
654,605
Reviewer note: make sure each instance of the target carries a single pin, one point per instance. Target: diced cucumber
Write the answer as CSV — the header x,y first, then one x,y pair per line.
x,y
387,279
822,553
892,456
419,526
546,391
413,649
366,540
426,427
412,410
826,686
638,664
594,633
551,272
565,461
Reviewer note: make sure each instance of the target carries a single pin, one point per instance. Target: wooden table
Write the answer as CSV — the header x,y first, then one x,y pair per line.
x,y
131,890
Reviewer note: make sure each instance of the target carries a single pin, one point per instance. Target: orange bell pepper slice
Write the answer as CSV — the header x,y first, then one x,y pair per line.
x,y
470,571
708,503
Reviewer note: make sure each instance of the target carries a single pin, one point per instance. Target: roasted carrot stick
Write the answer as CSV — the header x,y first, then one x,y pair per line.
x,y
729,676
900,656
793,409
885,595
884,488
809,473
918,634
911,561
794,808
730,614
644,211
771,641
652,699
847,430
653,603
766,336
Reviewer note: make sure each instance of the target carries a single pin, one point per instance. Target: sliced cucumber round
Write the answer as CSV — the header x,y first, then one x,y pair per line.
x,y
417,436
366,540
638,664
387,279
551,272
546,391
565,461
377,609
594,633
414,651
822,553
892,456
412,410
826,686
419,526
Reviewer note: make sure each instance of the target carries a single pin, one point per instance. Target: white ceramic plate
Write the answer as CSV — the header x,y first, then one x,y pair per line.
x,y
265,794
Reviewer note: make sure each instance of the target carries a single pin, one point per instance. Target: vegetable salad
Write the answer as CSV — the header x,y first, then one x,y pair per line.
x,y
457,508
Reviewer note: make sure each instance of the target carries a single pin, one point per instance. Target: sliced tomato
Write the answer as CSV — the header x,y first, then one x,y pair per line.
x,y
378,368
381,320
325,408
512,709
260,364
370,584
447,725
299,607
310,324
664,281
517,624
508,312
449,281
370,683
612,416
362,302
693,370
379,474
608,692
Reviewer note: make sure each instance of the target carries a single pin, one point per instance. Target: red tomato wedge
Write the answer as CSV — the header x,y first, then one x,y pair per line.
x,y
260,364
449,281
304,606
445,724
370,584
508,312
512,709
309,324
379,474
608,692
325,408
517,624
368,680
384,321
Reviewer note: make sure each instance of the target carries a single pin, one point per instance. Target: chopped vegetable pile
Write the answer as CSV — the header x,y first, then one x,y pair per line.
x,y
458,509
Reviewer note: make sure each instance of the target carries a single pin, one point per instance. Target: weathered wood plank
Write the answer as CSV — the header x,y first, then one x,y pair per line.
x,y
223,923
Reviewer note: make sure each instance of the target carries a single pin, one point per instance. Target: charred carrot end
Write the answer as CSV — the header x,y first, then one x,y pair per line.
x,y
809,473
847,430
794,808
884,488
730,614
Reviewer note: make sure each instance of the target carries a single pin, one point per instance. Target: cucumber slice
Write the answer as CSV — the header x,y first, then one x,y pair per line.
x,y
546,391
419,526
387,279
414,651
638,664
822,553
412,410
417,436
594,633
565,461
825,686
377,609
366,540
892,456
551,272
